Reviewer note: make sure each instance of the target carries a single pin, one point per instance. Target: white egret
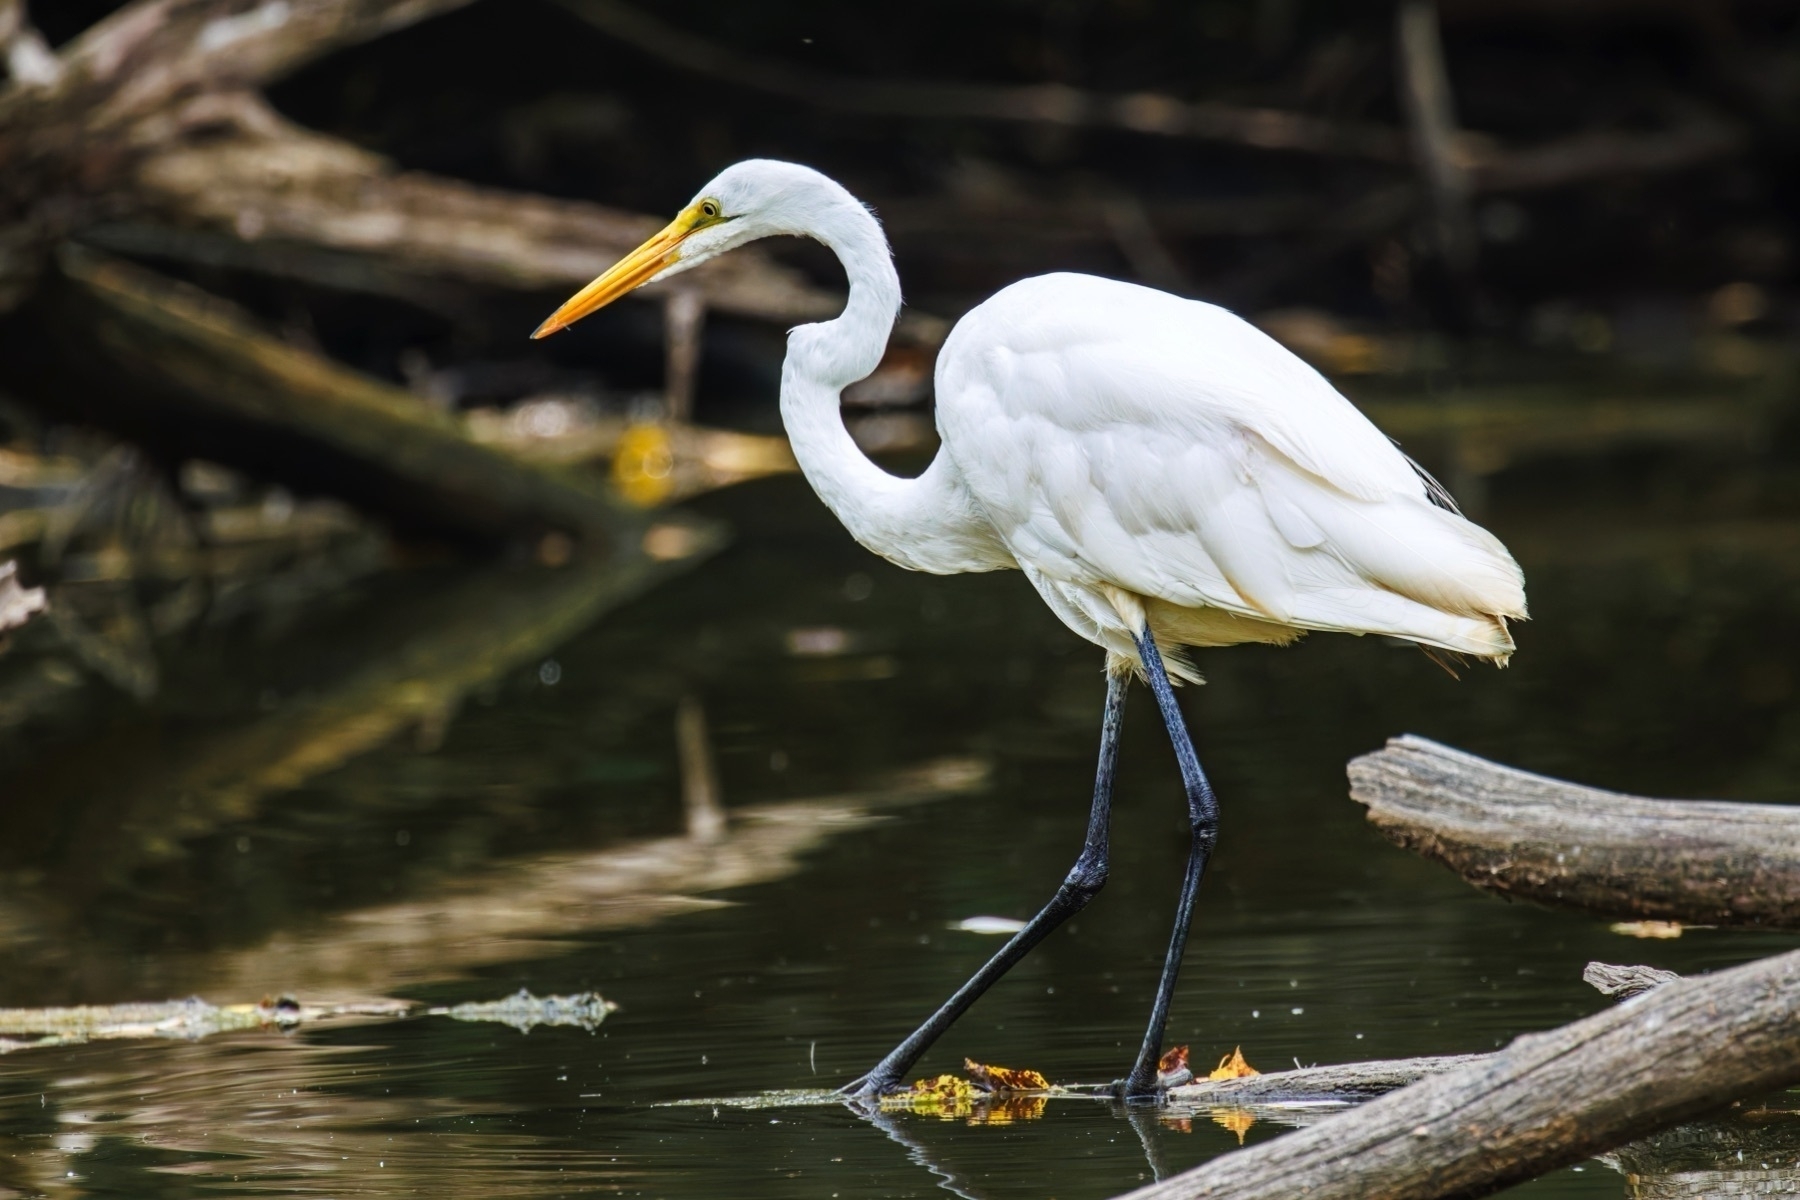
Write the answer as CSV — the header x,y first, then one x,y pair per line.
x,y
1165,475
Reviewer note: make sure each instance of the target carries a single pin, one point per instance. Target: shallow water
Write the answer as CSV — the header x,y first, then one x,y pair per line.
x,y
446,788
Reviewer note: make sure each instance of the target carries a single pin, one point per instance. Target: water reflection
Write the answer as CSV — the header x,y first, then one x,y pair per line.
x,y
524,824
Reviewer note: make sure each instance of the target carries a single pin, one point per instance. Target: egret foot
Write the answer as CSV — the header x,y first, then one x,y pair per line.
x,y
870,1088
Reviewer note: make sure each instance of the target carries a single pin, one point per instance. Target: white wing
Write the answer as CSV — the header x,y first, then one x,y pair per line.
x,y
1118,435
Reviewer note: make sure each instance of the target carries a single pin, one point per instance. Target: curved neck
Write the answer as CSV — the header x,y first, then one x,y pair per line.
x,y
928,523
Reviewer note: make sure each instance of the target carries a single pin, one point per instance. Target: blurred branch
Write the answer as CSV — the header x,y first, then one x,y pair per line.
x,y
153,132
1608,154
1431,123
130,83
1576,159
29,60
263,193
1052,104
212,364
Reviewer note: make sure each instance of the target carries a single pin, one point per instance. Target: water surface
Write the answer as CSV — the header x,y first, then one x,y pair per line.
x,y
448,785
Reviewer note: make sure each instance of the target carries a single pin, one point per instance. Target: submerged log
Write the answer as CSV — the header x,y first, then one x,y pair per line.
x,y
1345,1083
1545,1101
238,395
1509,831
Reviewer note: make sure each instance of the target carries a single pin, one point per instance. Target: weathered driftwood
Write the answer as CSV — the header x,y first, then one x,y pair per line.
x,y
136,80
228,388
1623,982
1545,1101
260,193
148,125
1525,835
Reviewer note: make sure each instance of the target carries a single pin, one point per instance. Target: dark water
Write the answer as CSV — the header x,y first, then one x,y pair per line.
x,y
446,787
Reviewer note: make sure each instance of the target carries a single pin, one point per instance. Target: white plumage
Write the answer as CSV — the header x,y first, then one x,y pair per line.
x,y
1122,439
1150,463
1135,454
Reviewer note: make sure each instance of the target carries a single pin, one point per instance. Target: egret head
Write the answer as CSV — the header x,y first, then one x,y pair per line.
x,y
753,199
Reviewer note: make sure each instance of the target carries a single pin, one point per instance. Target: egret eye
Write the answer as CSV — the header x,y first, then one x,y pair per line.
x,y
709,209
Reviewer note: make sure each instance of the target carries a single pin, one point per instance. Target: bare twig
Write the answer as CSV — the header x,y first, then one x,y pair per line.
x,y
699,773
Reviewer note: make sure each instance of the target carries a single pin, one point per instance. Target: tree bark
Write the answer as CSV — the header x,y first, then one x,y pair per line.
x,y
1508,831
137,80
1545,1101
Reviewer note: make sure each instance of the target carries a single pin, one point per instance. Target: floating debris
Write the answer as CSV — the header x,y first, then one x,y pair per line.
x,y
1231,1066
194,1018
1648,929
525,1012
187,1020
988,925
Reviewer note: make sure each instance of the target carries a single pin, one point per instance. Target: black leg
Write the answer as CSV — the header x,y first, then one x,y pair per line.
x,y
1081,885
1203,821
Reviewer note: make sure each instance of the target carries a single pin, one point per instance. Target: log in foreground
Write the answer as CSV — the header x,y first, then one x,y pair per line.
x,y
1545,1101
1505,830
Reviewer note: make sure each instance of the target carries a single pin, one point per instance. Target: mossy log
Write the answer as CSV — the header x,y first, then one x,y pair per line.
x,y
206,380
1505,830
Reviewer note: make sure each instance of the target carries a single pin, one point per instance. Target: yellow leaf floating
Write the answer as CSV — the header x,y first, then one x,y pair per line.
x,y
1233,1066
992,1096
1235,1119
643,466
1005,1079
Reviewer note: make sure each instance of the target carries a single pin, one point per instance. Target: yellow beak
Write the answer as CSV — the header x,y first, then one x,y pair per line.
x,y
633,271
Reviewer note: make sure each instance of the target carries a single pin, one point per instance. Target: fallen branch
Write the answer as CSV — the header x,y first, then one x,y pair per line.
x,y
148,124
217,370
135,81
263,194
1525,835
1545,1101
